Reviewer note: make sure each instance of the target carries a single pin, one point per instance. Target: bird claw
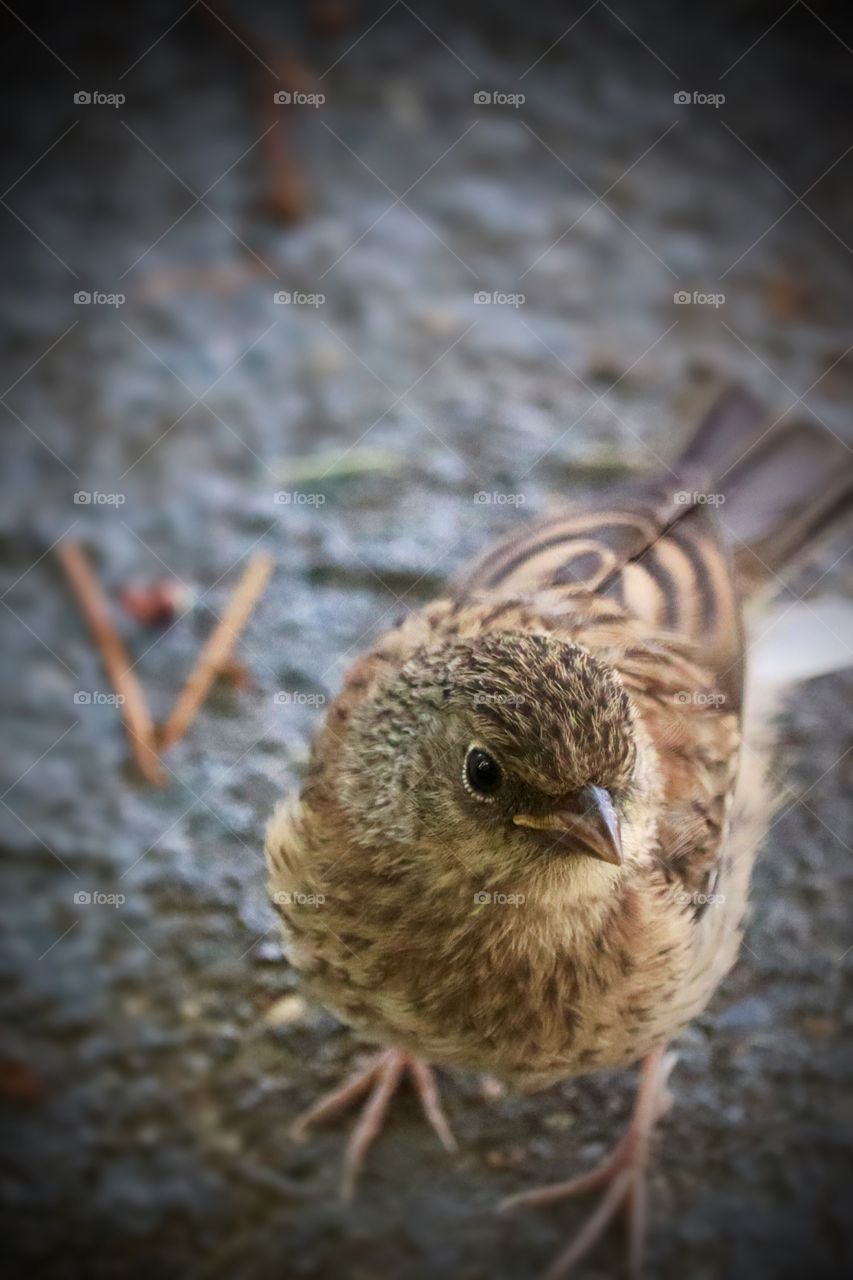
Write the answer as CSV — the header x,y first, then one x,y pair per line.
x,y
622,1184
621,1177
379,1080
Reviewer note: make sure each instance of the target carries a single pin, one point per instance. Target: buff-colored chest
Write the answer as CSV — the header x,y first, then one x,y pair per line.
x,y
501,986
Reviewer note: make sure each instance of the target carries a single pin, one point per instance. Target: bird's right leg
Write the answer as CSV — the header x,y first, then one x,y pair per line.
x,y
379,1081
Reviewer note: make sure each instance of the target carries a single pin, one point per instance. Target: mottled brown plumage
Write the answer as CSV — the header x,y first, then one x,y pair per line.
x,y
581,914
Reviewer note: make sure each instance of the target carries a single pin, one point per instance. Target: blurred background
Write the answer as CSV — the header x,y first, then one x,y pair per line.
x,y
362,285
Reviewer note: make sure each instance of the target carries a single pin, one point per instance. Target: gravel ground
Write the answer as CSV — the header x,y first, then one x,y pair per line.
x,y
156,1049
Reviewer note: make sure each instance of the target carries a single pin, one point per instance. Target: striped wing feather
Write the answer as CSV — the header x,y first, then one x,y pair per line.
x,y
664,562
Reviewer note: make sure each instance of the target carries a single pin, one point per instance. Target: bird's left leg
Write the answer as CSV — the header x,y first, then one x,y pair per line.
x,y
621,1177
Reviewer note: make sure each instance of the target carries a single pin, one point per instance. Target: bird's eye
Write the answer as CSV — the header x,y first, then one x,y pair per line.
x,y
483,774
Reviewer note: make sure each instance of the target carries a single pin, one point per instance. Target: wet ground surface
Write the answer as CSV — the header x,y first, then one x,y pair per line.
x,y
152,1059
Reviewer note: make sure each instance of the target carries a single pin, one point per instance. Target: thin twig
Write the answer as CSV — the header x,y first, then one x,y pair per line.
x,y
286,197
270,70
133,707
217,649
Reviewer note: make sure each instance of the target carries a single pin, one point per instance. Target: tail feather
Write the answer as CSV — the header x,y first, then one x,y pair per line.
x,y
733,420
779,486
800,641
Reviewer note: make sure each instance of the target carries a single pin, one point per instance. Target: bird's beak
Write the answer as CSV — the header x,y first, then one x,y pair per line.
x,y
592,829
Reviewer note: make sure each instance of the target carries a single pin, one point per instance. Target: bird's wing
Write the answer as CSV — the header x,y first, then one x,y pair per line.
x,y
746,498
697,738
657,553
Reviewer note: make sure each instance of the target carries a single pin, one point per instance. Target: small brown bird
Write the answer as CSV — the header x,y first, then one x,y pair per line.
x,y
526,835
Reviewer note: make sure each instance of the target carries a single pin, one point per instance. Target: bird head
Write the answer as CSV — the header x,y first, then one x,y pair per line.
x,y
506,755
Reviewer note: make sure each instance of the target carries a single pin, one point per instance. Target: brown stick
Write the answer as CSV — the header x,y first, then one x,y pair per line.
x,y
134,709
285,186
286,196
217,649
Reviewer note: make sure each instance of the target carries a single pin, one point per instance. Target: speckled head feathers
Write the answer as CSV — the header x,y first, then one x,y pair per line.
x,y
562,716
554,717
